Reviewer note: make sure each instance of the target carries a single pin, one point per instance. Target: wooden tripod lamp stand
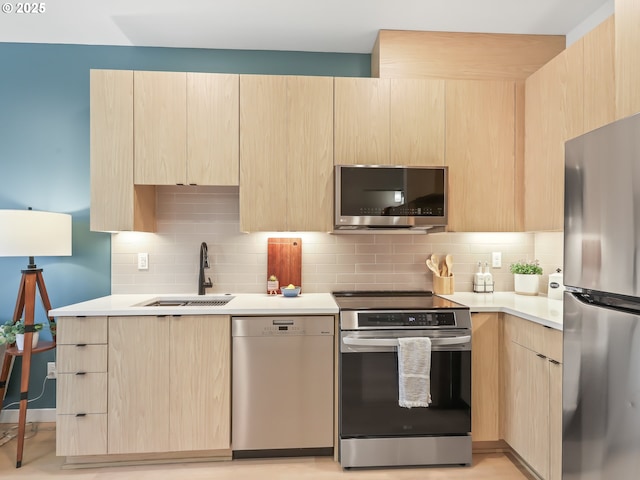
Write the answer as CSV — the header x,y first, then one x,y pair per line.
x,y
27,233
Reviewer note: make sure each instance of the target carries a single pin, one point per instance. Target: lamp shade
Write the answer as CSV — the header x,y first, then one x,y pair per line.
x,y
29,233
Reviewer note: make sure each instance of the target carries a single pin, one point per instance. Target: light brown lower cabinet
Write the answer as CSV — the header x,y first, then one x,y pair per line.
x,y
81,390
485,377
158,384
555,420
532,394
169,384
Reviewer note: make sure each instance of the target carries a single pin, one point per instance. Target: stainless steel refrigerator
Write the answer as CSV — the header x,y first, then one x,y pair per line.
x,y
601,369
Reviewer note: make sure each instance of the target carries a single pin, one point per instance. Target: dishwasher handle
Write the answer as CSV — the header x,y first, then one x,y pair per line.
x,y
393,342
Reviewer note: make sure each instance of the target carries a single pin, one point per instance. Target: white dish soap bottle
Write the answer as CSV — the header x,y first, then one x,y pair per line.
x,y
488,278
478,280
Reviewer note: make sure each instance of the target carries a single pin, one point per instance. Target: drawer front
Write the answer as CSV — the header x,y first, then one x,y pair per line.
x,y
544,340
81,358
81,435
81,393
553,344
528,334
74,330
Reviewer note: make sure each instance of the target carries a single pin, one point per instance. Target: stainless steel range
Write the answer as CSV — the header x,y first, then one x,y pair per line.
x,y
374,429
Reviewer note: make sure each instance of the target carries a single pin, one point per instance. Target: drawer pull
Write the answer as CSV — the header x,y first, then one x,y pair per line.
x,y
540,355
81,345
555,362
81,414
81,373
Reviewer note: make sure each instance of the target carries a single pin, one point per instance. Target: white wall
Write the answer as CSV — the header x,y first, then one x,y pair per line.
x,y
592,21
188,216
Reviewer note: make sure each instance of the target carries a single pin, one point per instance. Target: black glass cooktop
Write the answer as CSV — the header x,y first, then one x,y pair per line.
x,y
392,300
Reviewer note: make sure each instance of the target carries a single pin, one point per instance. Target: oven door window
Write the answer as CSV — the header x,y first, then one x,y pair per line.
x,y
369,396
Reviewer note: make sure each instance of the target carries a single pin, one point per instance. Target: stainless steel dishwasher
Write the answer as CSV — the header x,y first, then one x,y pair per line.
x,y
282,386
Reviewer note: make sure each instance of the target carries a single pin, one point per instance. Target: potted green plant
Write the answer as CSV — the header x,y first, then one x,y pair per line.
x,y
526,277
14,333
7,333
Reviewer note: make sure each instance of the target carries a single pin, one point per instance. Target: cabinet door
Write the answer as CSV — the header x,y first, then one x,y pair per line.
x,y
485,377
361,121
416,122
160,128
555,420
309,171
526,426
480,139
286,150
116,205
200,381
138,402
263,153
599,76
213,129
553,114
627,44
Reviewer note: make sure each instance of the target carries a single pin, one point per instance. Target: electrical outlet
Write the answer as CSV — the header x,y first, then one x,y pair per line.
x,y
143,261
51,370
496,259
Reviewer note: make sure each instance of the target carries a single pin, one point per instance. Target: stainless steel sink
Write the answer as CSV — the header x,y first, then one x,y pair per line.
x,y
186,302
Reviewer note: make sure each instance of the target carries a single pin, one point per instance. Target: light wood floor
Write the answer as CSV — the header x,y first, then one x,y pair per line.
x,y
40,462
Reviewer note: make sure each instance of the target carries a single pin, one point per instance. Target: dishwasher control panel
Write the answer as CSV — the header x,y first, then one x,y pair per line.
x,y
284,325
283,330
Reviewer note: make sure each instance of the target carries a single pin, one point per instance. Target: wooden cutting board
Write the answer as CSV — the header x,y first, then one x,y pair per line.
x,y
284,260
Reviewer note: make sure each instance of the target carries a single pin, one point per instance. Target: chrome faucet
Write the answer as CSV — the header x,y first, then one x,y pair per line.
x,y
204,263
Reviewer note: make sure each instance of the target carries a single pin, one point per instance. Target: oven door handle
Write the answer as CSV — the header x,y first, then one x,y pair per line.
x,y
393,342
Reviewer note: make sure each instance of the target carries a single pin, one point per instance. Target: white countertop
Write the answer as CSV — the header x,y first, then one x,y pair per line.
x,y
241,304
539,309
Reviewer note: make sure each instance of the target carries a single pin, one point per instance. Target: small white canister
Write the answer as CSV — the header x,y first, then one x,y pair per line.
x,y
556,287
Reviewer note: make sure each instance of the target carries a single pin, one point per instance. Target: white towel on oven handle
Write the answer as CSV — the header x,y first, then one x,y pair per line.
x,y
414,372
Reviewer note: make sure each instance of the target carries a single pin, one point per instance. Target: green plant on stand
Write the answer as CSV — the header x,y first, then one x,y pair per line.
x,y
9,330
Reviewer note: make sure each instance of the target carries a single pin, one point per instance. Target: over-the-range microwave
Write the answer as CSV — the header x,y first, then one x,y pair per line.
x,y
390,197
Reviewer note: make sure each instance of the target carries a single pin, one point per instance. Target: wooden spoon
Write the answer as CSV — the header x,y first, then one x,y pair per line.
x,y
432,267
448,260
436,262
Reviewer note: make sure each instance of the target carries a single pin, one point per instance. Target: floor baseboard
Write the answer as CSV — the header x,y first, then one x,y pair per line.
x,y
38,415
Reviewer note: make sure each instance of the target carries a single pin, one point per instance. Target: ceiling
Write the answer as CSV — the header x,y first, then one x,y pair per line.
x,y
348,26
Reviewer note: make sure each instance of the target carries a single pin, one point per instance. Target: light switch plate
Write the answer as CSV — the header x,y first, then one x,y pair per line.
x,y
496,259
143,261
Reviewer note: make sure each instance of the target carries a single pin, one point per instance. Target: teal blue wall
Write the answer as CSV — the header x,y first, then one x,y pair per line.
x,y
44,152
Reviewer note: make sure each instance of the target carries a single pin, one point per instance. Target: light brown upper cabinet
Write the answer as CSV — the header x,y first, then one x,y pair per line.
x,y
361,121
599,76
160,128
553,114
627,67
389,122
116,205
286,153
416,122
186,128
213,123
480,153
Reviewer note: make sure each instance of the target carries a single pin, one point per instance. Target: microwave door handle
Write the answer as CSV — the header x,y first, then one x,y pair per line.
x,y
393,342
